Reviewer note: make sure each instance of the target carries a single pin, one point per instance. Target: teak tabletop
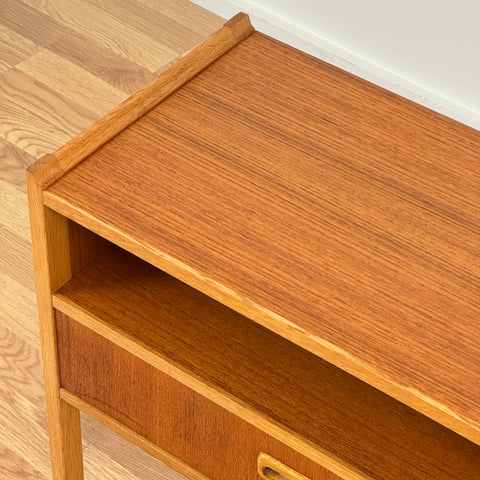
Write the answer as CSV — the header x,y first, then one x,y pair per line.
x,y
337,214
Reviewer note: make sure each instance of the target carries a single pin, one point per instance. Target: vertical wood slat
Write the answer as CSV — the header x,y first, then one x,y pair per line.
x,y
60,249
51,258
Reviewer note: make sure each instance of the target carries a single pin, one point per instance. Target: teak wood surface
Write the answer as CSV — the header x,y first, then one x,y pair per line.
x,y
211,440
259,376
133,438
335,213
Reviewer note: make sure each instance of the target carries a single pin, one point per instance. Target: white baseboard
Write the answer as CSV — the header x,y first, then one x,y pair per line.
x,y
312,43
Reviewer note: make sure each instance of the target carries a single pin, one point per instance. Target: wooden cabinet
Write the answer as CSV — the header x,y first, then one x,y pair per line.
x,y
260,266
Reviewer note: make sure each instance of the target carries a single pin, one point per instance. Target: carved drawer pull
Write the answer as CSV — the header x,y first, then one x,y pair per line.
x,y
270,468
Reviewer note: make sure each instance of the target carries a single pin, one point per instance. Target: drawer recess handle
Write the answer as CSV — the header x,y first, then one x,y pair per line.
x,y
270,468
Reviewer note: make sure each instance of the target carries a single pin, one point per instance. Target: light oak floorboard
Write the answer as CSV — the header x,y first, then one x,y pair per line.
x,y
13,48
32,24
188,14
34,117
102,62
108,30
63,64
14,161
72,82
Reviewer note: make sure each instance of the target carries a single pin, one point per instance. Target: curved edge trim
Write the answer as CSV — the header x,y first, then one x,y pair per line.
x,y
53,166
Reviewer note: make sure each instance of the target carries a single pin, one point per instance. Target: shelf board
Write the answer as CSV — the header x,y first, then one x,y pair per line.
x,y
337,214
291,394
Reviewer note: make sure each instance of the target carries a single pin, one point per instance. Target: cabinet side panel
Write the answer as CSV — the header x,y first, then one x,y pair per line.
x,y
84,246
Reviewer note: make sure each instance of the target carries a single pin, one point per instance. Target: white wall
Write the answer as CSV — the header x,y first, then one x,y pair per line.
x,y
426,50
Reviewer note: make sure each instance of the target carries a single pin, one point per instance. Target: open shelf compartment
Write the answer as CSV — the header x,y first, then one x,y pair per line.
x,y
289,393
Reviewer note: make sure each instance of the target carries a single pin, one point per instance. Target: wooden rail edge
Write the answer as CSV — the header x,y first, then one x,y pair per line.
x,y
53,166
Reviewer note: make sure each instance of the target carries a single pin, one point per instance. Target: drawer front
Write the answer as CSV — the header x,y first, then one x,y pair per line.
x,y
177,419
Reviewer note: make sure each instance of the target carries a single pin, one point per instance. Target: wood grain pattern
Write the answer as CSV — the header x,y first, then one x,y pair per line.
x,y
14,48
50,244
175,35
116,452
17,298
72,82
13,466
12,199
101,62
210,348
132,436
14,161
84,247
31,24
17,267
210,439
335,213
189,14
34,117
22,404
49,169
107,30
28,119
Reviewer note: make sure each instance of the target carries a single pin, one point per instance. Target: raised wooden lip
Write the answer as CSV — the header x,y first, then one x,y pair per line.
x,y
53,166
